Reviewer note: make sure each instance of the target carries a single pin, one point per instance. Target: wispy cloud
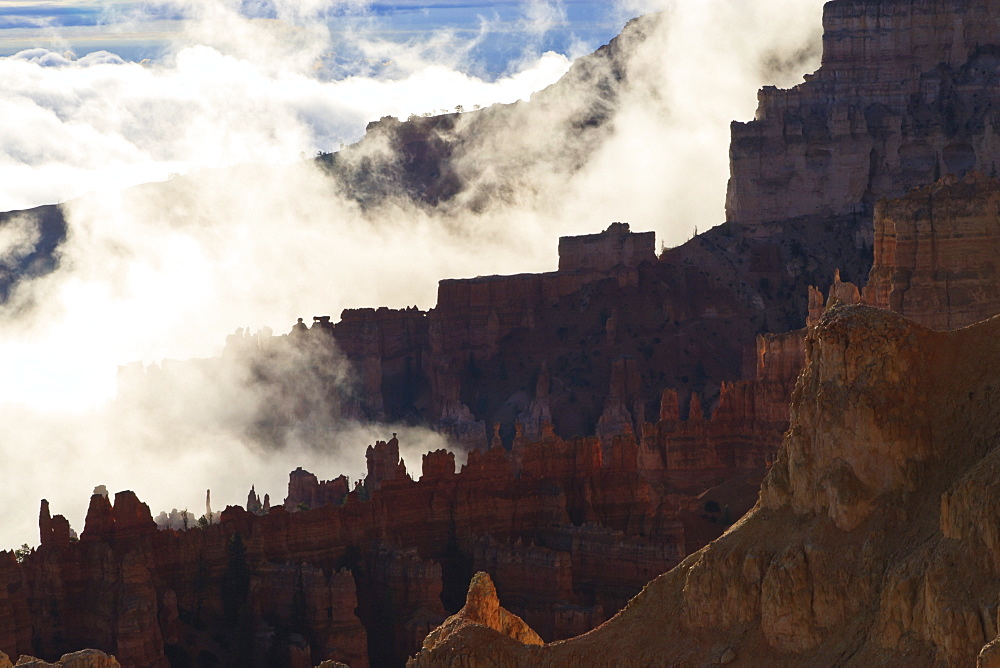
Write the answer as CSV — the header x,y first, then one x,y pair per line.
x,y
253,236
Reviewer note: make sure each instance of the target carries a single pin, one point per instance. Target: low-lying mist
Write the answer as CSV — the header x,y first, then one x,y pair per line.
x,y
246,233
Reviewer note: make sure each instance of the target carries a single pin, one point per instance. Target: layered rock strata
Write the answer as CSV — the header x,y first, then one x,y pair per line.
x,y
872,540
907,92
936,253
935,256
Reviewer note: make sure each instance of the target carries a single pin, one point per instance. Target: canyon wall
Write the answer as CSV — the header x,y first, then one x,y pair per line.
x,y
523,349
936,253
907,92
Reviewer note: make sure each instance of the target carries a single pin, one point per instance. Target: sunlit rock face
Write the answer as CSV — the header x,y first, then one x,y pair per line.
x,y
482,610
907,92
875,534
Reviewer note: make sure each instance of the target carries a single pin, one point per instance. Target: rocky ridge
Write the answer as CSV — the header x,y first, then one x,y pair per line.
x,y
87,658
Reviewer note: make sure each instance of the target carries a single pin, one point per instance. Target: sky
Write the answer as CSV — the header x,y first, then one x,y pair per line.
x,y
502,30
215,103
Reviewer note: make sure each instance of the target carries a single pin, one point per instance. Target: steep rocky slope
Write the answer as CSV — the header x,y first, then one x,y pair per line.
x,y
873,540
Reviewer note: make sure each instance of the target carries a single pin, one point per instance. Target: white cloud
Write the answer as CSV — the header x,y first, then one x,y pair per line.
x,y
167,271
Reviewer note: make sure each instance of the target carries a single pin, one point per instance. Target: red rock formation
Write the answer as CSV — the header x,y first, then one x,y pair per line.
x,y
304,488
15,616
568,528
384,464
336,620
137,633
100,522
615,246
388,346
623,409
86,658
935,253
416,587
438,465
482,609
539,412
52,530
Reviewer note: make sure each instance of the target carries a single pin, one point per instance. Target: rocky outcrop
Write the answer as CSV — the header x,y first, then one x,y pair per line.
x,y
306,491
86,658
935,253
482,608
384,464
387,347
907,92
874,537
615,246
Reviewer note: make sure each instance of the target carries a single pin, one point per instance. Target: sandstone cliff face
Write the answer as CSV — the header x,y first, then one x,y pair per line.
x,y
873,539
935,256
907,92
525,349
936,253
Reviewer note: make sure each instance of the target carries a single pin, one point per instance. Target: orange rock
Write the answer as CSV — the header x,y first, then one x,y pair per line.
x,y
87,658
482,607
